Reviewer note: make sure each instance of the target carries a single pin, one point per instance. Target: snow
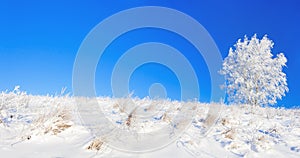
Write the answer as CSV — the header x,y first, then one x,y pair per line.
x,y
51,126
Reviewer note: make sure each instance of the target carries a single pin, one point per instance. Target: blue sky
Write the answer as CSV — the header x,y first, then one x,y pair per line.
x,y
39,41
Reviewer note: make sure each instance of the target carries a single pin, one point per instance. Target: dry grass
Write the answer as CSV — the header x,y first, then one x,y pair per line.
x,y
96,144
261,138
224,121
229,134
55,121
166,118
57,128
128,120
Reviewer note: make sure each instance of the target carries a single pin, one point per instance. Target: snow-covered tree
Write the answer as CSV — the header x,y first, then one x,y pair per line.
x,y
253,76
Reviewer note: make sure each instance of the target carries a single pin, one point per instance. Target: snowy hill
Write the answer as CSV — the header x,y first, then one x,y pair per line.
x,y
51,126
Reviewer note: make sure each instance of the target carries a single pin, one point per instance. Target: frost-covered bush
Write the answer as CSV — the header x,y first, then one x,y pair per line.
x,y
23,116
253,76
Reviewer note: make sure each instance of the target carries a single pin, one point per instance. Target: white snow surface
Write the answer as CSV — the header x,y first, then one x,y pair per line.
x,y
50,127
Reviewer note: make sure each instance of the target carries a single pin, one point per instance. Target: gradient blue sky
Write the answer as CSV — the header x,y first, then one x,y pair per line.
x,y
39,41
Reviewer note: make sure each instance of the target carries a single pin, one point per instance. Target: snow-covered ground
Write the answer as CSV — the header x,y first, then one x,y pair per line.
x,y
52,126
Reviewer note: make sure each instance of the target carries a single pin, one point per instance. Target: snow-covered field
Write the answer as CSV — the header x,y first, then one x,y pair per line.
x,y
51,126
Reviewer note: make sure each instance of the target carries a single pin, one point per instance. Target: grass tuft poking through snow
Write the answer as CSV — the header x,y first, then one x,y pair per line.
x,y
96,144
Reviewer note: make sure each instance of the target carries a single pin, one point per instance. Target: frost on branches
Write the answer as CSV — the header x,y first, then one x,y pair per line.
x,y
253,76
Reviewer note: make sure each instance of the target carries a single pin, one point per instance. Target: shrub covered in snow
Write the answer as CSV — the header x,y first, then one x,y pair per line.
x,y
252,75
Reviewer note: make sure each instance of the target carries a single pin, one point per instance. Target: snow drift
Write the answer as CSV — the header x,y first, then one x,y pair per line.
x,y
50,126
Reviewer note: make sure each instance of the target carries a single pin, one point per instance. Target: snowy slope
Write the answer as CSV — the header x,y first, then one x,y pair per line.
x,y
47,126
